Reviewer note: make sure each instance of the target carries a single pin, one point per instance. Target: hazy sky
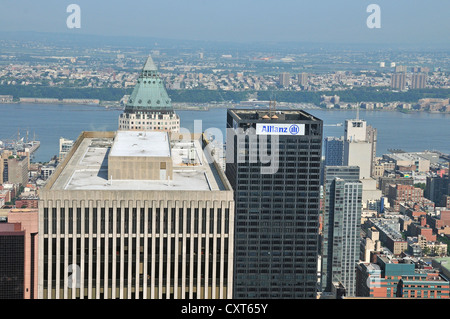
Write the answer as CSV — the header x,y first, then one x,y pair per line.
x,y
337,21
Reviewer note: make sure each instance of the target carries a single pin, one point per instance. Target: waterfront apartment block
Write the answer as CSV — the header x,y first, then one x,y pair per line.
x,y
398,81
418,81
105,234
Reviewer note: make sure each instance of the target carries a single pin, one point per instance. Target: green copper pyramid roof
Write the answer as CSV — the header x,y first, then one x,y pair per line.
x,y
149,93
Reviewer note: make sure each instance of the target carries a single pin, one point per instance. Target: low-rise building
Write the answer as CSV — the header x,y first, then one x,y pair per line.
x,y
427,285
379,279
390,235
403,193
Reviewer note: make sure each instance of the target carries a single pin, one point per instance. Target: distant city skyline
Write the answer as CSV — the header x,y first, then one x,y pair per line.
x,y
402,22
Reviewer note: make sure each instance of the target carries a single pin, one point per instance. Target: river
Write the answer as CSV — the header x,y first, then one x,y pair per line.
x,y
417,131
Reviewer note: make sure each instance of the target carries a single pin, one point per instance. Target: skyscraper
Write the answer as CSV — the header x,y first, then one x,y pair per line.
x,y
359,138
358,150
334,151
131,215
341,229
277,201
149,108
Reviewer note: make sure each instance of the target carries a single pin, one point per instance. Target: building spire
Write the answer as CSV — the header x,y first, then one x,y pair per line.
x,y
149,65
149,92
149,107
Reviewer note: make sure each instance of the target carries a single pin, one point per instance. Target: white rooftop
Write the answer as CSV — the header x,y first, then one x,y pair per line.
x,y
87,168
135,143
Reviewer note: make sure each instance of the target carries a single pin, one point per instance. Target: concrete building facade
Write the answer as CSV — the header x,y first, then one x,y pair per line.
x,y
360,142
14,169
103,238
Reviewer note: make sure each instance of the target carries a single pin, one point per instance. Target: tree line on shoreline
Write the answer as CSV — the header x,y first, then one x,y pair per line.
x,y
381,95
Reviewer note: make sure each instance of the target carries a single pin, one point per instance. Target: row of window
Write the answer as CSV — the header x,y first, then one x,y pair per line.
x,y
99,218
149,122
145,115
123,251
124,127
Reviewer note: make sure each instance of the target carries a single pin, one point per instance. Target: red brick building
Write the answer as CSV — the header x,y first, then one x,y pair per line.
x,y
430,285
440,225
26,221
27,203
409,196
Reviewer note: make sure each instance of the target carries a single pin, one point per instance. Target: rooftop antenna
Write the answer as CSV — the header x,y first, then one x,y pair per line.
x,y
272,106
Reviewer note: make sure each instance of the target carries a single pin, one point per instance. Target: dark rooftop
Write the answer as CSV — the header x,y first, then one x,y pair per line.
x,y
273,115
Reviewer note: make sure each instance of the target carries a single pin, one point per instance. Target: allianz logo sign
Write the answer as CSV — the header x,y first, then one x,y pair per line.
x,y
280,129
294,129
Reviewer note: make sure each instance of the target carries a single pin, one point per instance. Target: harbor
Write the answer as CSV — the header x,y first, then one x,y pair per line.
x,y
21,145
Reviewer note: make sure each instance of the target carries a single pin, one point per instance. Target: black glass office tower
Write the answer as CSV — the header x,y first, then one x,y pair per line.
x,y
273,165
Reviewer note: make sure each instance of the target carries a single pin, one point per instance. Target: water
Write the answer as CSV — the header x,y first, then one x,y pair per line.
x,y
410,132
